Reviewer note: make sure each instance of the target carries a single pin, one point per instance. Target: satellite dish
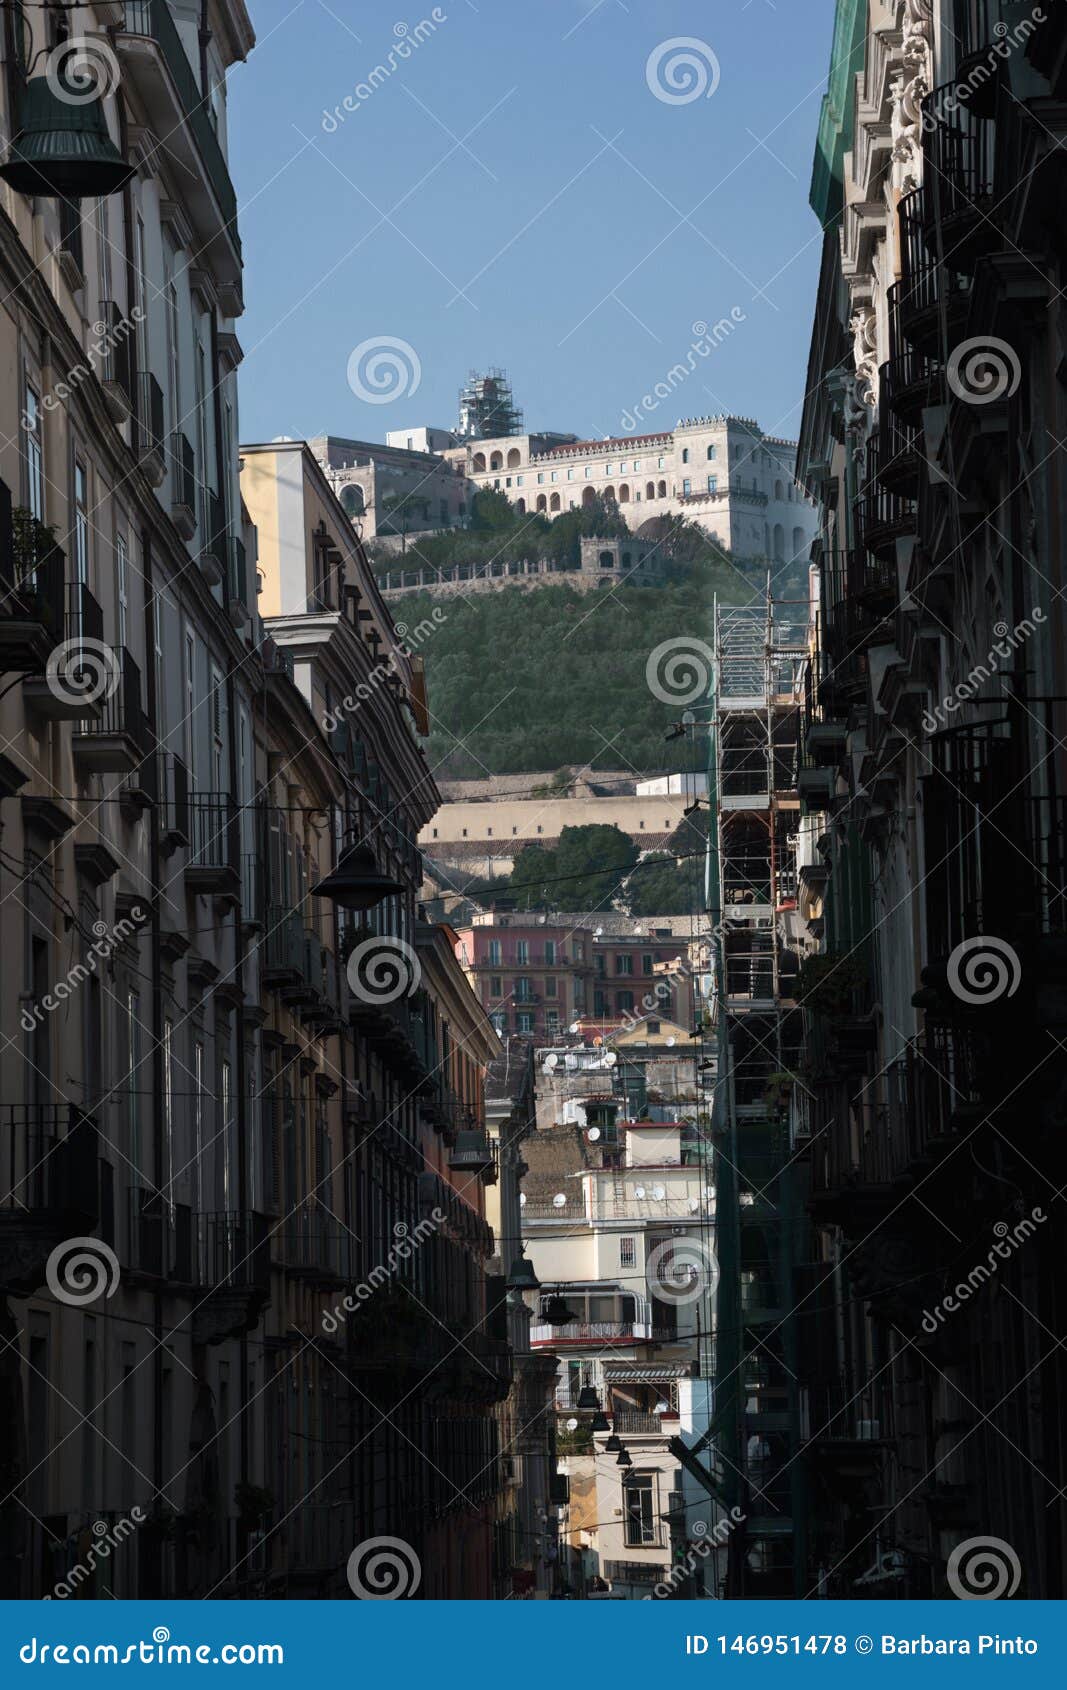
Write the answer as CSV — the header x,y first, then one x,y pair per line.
x,y
559,1201
572,1424
594,1134
572,1060
522,1199
639,1192
694,1205
659,1192
662,1407
671,1042
550,1063
610,1059
597,931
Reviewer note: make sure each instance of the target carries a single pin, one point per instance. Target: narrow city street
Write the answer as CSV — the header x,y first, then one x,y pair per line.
x,y
533,836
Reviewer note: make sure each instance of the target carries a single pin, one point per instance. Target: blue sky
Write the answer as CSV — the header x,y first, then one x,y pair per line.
x,y
512,192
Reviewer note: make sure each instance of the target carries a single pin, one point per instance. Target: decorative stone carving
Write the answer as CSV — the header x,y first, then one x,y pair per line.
x,y
864,326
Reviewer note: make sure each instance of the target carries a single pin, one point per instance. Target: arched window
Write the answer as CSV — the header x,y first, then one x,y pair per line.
x,y
478,464
352,499
662,492
609,495
542,502
520,506
607,560
779,543
588,496
779,491
514,458
496,461
627,560
798,542
713,452
554,504
650,490
624,493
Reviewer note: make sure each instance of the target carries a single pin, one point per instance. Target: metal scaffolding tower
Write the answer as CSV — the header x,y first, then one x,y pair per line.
x,y
487,409
759,655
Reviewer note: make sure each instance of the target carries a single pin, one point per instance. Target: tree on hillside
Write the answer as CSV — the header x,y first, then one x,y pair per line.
x,y
592,863
535,868
660,886
492,512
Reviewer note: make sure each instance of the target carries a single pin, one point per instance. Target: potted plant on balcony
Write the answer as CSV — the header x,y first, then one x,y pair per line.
x,y
829,985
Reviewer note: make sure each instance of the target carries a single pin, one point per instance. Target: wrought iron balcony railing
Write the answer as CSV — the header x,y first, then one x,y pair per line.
x,y
213,864
148,420
958,176
152,19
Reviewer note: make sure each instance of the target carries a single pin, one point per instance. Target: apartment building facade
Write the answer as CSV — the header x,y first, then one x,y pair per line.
x,y
219,1133
930,770
619,1230
541,977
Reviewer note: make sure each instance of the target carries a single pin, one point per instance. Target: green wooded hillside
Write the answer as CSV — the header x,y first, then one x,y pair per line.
x,y
533,679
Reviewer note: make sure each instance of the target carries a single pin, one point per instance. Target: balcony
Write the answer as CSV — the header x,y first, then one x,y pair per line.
x,y
237,594
53,1188
59,697
958,176
116,361
175,826
118,738
637,1423
31,591
927,288
212,537
314,1248
148,430
213,865
910,380
601,1332
884,514
157,65
182,485
282,949
232,1273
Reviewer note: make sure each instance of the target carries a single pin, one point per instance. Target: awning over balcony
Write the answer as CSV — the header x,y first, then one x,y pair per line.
x,y
641,1373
